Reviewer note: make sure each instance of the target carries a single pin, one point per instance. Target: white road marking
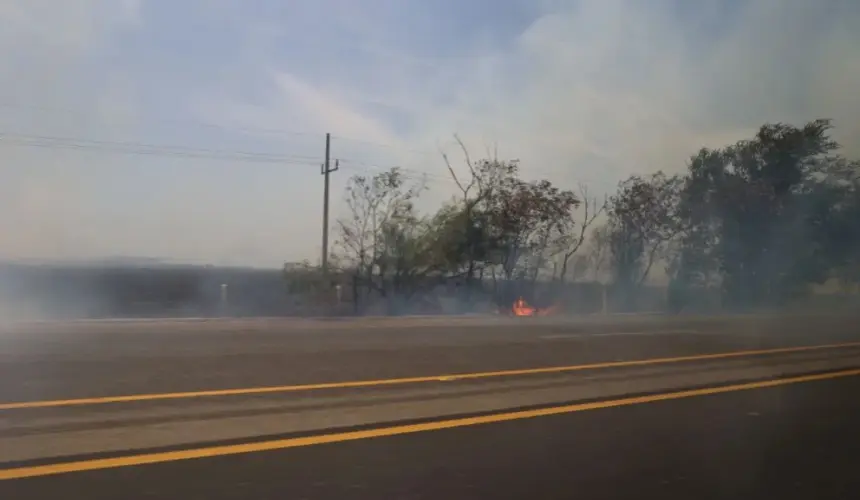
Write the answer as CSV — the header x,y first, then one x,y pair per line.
x,y
564,336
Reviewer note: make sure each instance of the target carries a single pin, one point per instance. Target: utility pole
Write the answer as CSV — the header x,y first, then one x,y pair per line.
x,y
326,169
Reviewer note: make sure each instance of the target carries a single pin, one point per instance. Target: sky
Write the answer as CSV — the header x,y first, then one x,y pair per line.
x,y
193,130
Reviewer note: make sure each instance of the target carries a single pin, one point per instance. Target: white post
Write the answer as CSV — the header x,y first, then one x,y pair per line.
x,y
223,299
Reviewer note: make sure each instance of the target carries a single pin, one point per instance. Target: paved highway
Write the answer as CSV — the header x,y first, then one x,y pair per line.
x,y
88,359
88,397
789,441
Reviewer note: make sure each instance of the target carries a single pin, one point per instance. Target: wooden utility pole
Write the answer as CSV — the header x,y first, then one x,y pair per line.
x,y
326,169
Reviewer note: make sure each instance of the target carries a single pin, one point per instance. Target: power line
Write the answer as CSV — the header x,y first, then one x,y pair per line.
x,y
165,121
177,151
388,146
136,148
204,124
182,152
8,103
401,168
131,144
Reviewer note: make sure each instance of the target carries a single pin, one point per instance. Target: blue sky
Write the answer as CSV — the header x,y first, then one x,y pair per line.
x,y
579,91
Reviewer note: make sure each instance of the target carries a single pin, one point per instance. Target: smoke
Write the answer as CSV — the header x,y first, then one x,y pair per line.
x,y
52,291
579,91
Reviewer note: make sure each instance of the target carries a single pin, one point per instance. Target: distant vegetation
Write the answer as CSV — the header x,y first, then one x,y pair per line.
x,y
755,224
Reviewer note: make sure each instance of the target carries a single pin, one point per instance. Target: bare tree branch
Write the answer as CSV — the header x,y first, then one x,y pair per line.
x,y
591,210
475,176
465,190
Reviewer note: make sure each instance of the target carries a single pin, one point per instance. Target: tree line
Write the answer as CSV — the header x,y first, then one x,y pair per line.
x,y
759,221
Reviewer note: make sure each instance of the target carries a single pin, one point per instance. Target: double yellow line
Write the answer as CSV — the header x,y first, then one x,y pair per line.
x,y
281,444
412,380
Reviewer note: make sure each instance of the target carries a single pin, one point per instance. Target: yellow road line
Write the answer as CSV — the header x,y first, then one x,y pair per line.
x,y
280,444
410,380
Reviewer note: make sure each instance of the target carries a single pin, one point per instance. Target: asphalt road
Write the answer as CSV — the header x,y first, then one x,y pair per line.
x,y
93,359
790,441
80,391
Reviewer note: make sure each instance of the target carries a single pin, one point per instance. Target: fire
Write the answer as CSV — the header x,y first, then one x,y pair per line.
x,y
522,308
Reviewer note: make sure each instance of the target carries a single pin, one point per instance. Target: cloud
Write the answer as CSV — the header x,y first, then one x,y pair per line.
x,y
597,90
46,194
328,113
588,90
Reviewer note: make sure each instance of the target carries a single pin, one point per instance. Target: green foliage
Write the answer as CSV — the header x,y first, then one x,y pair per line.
x,y
768,216
762,219
501,223
643,219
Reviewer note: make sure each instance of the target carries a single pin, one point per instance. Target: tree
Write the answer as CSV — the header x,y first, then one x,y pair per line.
x,y
527,220
468,237
643,220
598,250
574,239
758,209
760,220
505,225
381,225
405,255
833,214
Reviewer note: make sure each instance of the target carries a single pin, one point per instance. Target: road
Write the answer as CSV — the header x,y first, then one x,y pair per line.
x,y
102,395
87,359
794,441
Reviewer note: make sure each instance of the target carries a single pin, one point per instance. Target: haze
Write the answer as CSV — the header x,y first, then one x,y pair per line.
x,y
587,91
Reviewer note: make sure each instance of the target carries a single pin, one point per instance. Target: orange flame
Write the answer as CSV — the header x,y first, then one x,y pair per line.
x,y
522,308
